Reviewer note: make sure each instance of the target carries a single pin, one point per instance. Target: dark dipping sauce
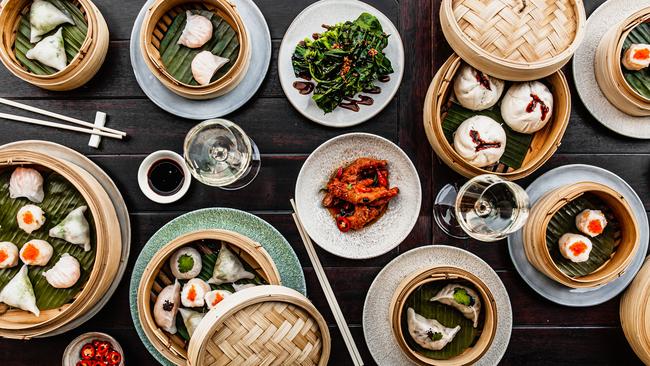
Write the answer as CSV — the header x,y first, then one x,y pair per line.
x,y
165,177
306,87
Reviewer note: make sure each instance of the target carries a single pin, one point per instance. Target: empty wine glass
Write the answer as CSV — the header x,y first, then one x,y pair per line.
x,y
444,212
220,154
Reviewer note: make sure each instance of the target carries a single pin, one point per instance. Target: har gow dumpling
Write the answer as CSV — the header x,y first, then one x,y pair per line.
x,y
228,268
191,319
475,90
166,307
74,228
19,293
197,31
28,183
462,298
30,218
65,273
193,293
8,255
527,107
36,252
213,298
480,140
205,65
429,333
50,51
43,17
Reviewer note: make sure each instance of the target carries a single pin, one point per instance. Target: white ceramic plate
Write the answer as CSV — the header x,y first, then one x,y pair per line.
x,y
377,327
391,228
309,21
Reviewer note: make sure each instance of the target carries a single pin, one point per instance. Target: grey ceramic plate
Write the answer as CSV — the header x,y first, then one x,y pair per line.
x,y
552,290
80,160
309,21
601,20
260,38
376,323
217,218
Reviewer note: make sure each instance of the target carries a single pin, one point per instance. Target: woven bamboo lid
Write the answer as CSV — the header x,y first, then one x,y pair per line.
x,y
514,39
635,313
263,325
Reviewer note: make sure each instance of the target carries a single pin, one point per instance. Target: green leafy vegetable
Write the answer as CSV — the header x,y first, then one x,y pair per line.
x,y
638,80
434,336
462,297
185,263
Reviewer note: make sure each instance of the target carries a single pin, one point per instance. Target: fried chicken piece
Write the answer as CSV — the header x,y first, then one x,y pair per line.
x,y
353,172
361,193
363,215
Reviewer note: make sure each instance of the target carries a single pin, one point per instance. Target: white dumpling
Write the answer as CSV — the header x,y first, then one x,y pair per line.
x,y
475,90
28,183
8,255
74,228
527,107
191,319
166,307
43,17
575,247
19,293
480,140
193,293
429,333
197,31
65,273
462,298
205,65
36,252
186,263
243,286
50,51
636,57
30,218
213,298
228,268
591,222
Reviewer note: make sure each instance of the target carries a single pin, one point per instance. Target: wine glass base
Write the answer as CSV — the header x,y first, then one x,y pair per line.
x,y
444,212
251,173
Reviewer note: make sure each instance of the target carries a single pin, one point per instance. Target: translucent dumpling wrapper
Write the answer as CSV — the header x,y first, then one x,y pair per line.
x,y
243,286
591,222
50,51
480,140
19,293
462,298
65,273
44,17
27,183
213,298
228,268
166,307
197,31
36,252
193,293
191,319
205,65
30,218
636,57
475,90
74,228
186,263
575,247
8,255
429,333
527,107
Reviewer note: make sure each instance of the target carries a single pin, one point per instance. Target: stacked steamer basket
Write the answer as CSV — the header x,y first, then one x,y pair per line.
x,y
513,41
635,313
107,246
159,21
609,70
84,64
549,220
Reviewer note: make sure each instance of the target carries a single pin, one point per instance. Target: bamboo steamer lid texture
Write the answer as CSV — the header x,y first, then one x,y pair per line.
x,y
516,40
635,313
263,325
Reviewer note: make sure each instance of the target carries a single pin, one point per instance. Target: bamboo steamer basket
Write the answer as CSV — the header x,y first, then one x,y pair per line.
x,y
20,324
264,325
635,313
544,143
609,70
516,40
411,283
83,66
154,279
534,234
156,22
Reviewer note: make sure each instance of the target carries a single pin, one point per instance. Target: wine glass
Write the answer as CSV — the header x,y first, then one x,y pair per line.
x,y
444,212
220,154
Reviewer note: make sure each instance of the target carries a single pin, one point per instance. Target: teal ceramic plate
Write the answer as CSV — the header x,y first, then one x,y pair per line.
x,y
217,218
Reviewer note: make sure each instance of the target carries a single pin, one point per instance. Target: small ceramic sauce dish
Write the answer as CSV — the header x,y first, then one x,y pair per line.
x,y
163,177
72,353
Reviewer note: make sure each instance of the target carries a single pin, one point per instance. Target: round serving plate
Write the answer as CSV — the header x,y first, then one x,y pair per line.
x,y
377,326
608,15
548,288
62,152
309,21
260,40
390,229
240,222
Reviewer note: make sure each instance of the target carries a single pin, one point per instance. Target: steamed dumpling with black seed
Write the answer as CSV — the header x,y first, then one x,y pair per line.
x,y
480,140
527,107
429,333
205,65
44,17
197,31
19,293
462,298
228,268
50,51
475,90
74,228
166,307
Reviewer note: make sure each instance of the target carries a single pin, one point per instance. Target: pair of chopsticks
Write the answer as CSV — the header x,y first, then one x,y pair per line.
x,y
327,289
92,130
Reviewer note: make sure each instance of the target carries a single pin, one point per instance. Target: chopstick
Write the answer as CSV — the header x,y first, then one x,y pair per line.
x,y
58,125
60,116
327,289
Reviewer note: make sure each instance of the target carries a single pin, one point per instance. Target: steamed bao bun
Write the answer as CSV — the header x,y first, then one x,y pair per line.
x,y
471,91
522,106
480,140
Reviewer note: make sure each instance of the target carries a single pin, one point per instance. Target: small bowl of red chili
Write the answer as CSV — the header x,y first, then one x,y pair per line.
x,y
93,349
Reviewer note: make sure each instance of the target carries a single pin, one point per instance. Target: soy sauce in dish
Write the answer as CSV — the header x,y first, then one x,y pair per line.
x,y
165,177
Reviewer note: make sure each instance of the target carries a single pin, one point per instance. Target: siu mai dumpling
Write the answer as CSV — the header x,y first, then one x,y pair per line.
x,y
591,222
36,252
636,57
166,307
205,65
213,298
462,298
575,247
19,293
191,319
475,90
28,183
228,268
527,107
43,17
429,333
193,293
50,51
197,31
480,140
8,255
65,273
74,228
30,218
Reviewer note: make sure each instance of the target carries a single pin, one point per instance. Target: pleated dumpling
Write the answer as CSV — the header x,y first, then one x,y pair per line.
x,y
429,333
28,183
44,17
205,65
65,273
191,319
197,31
50,51
462,298
74,228
19,293
166,307
228,268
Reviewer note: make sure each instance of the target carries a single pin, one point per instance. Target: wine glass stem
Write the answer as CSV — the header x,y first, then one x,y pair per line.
x,y
219,153
482,208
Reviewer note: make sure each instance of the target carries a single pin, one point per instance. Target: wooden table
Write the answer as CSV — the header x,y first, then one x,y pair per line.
x,y
544,333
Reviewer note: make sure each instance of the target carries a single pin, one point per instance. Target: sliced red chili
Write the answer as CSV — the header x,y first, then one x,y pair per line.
x,y
339,173
103,348
343,224
381,179
87,351
98,363
85,363
114,358
96,342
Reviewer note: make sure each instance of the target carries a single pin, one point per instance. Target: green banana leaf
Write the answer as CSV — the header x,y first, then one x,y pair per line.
x,y
73,38
61,197
178,58
446,315
517,144
638,80
564,222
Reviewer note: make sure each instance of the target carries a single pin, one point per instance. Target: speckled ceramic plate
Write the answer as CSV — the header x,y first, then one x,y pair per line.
x,y
600,21
377,327
551,290
260,39
217,218
390,229
309,21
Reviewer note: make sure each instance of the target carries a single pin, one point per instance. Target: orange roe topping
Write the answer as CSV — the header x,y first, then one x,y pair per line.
x,y
642,54
217,299
191,295
595,226
28,218
3,256
578,248
30,253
